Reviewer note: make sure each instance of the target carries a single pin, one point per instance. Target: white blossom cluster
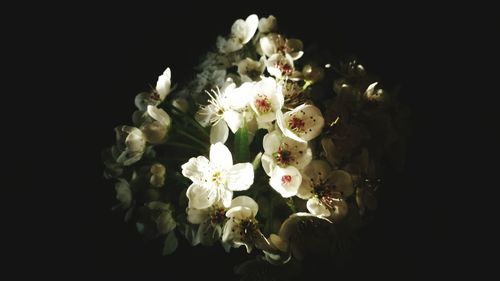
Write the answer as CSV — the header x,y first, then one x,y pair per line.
x,y
253,137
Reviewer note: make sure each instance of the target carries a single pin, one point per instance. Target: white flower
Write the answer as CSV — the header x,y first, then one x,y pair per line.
x,y
217,178
242,227
123,193
156,132
132,147
225,111
267,100
286,181
325,190
268,24
250,70
241,33
283,151
279,65
277,44
212,219
302,124
163,84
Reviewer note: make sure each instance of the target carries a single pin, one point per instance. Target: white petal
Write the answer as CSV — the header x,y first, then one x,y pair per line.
x,y
159,115
225,196
240,213
233,119
197,216
267,46
220,156
163,84
195,168
317,171
271,142
200,196
280,121
268,163
245,201
285,181
227,232
219,133
252,23
316,208
240,177
343,182
305,188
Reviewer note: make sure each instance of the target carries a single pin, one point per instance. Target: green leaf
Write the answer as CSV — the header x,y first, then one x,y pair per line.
x,y
170,244
241,147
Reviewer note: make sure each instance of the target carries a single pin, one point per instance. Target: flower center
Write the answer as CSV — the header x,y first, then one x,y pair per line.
x,y
296,124
217,178
247,228
263,104
284,67
218,216
283,156
326,194
286,179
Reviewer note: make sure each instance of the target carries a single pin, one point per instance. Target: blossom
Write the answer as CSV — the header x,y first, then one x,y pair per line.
x,y
225,111
217,178
242,227
131,143
156,131
267,100
250,70
325,190
212,219
279,65
277,44
163,84
268,24
302,124
280,150
241,32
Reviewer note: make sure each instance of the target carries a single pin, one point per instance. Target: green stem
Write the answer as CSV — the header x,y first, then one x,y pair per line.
x,y
191,137
183,145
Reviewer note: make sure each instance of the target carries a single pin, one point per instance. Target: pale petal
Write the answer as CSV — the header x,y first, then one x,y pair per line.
x,y
245,201
295,47
268,24
340,210
195,168
159,115
233,119
200,196
163,84
271,142
225,197
316,208
240,213
197,216
219,133
267,46
230,229
305,189
252,23
317,171
285,181
268,163
140,100
342,181
220,156
280,121
240,177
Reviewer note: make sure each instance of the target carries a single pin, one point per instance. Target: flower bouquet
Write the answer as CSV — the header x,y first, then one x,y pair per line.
x,y
258,150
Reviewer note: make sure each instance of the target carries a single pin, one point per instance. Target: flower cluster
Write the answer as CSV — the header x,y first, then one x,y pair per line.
x,y
258,150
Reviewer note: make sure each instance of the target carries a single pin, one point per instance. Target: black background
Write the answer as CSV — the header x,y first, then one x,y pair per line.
x,y
109,54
